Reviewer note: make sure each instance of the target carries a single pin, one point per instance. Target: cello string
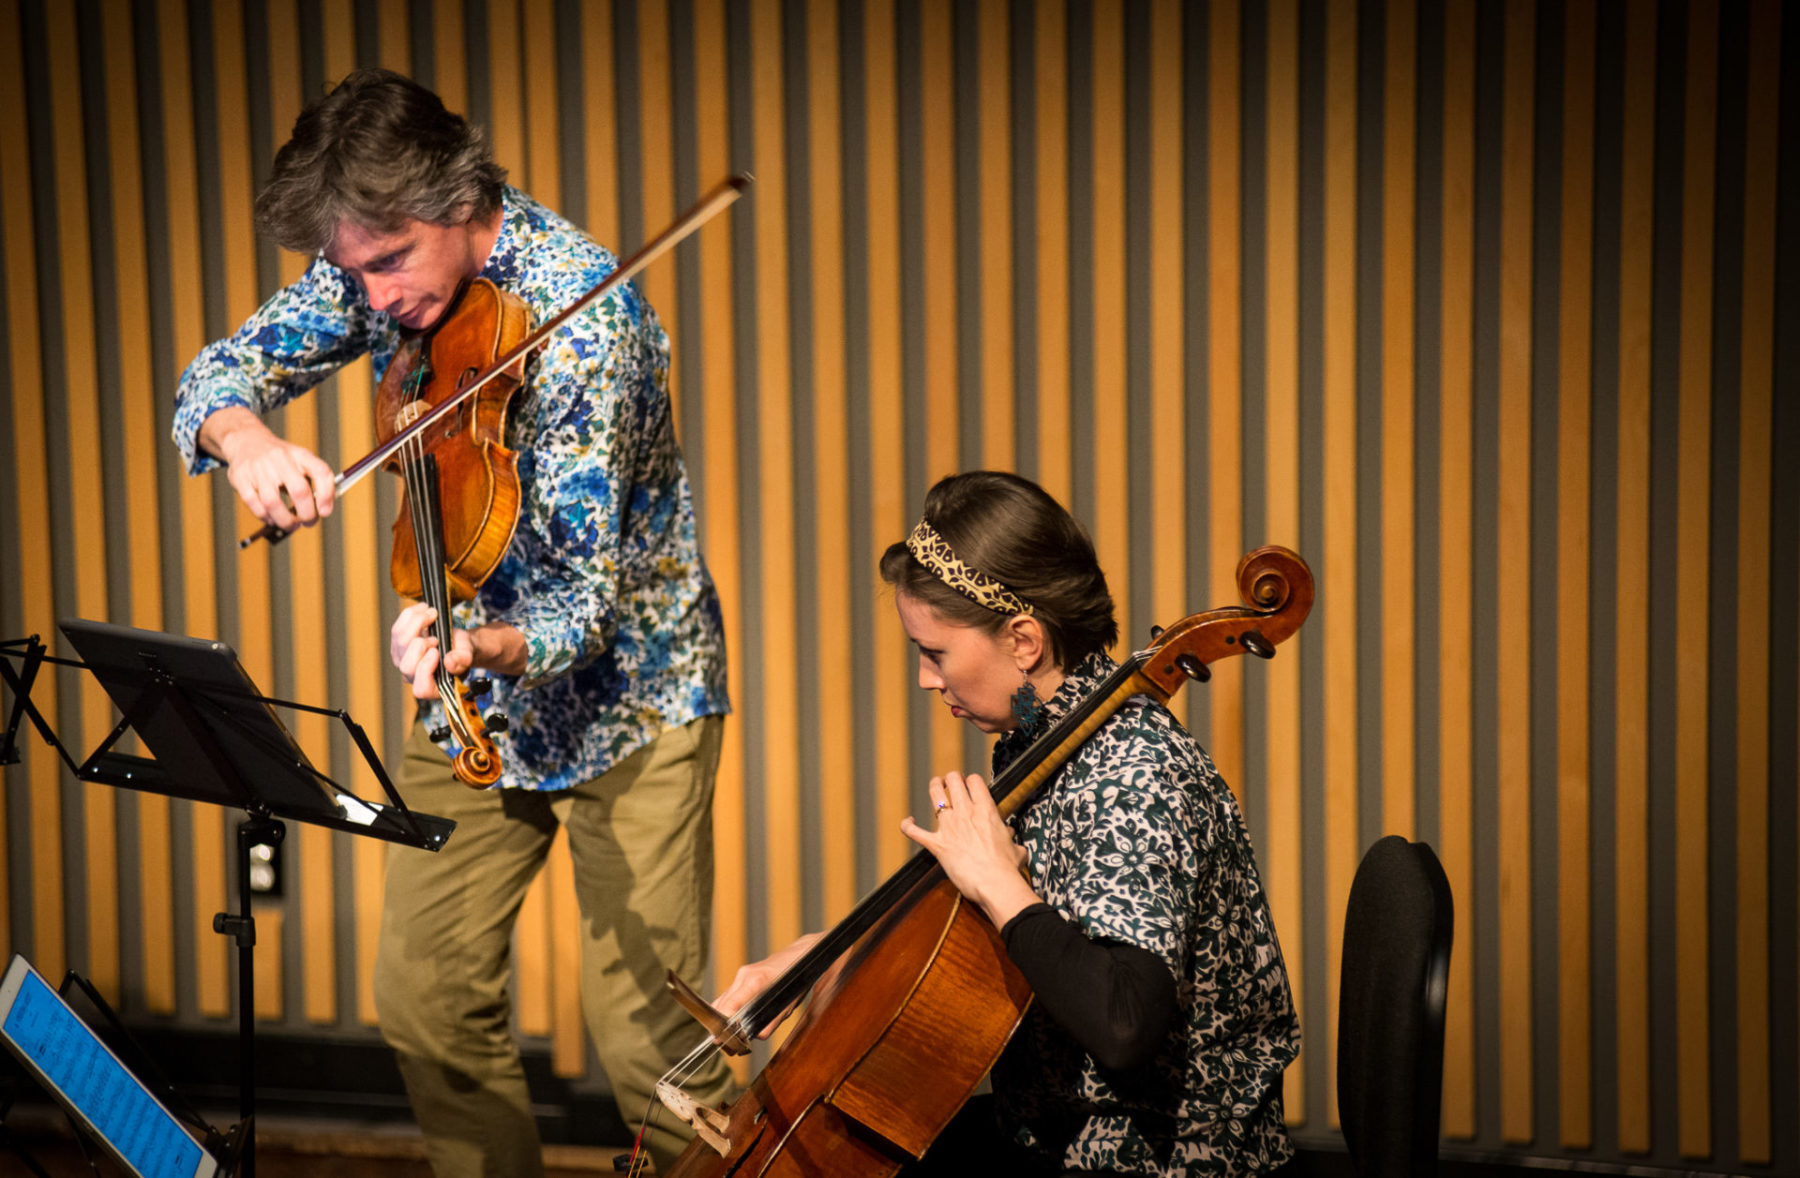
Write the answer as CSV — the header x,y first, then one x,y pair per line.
x,y
677,1077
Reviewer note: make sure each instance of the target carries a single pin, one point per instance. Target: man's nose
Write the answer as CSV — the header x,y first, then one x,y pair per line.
x,y
384,293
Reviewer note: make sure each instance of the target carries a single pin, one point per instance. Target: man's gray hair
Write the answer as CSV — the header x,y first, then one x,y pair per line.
x,y
377,151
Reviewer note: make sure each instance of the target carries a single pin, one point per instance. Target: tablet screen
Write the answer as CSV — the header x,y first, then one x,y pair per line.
x,y
91,1083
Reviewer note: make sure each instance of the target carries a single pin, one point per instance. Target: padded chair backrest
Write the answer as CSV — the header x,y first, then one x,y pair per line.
x,y
1390,1061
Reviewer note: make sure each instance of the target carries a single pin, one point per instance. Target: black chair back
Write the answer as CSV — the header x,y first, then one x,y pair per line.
x,y
1390,1043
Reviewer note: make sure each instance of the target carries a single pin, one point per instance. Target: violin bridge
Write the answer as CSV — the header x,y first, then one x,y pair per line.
x,y
709,1124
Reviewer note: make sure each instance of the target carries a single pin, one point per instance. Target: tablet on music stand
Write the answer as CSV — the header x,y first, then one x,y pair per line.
x,y
91,1084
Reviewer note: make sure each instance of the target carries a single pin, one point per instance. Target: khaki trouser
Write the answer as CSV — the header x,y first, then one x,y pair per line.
x,y
640,837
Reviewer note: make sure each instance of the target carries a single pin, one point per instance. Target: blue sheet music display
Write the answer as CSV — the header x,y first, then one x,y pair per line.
x,y
65,1053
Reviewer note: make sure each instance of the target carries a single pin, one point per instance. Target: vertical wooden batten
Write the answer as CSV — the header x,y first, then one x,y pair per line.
x,y
1632,623
997,391
723,495
1755,1127
1574,539
1513,653
1693,541
830,490
1224,694
1051,115
1283,858
200,588
656,139
1398,230
890,510
937,268
145,450
1338,560
30,513
1456,833
778,624
80,395
1110,432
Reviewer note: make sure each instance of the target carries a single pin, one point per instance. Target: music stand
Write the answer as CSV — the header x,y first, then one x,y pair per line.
x,y
215,738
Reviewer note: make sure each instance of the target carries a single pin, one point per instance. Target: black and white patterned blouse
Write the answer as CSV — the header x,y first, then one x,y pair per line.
x,y
1138,840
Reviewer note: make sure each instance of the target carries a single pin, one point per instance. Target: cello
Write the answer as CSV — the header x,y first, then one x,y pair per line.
x,y
912,995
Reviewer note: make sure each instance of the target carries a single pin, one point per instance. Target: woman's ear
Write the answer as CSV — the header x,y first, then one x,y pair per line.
x,y
1030,643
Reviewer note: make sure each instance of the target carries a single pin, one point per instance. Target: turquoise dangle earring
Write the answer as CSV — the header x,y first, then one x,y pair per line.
x,y
1027,708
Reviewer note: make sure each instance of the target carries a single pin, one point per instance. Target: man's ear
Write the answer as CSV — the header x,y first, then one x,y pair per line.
x,y
1030,642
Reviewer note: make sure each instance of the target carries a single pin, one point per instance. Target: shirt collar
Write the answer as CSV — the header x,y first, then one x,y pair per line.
x,y
507,255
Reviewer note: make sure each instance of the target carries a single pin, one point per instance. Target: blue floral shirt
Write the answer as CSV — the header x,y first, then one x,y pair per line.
x,y
604,576
1137,840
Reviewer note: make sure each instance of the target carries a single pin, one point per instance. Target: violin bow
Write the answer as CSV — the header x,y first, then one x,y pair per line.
x,y
705,209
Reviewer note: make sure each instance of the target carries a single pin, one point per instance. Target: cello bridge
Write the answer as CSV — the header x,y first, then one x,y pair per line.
x,y
709,1124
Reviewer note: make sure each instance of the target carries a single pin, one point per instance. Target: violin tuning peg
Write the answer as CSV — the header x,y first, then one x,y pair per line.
x,y
480,685
1253,642
439,734
1155,633
496,722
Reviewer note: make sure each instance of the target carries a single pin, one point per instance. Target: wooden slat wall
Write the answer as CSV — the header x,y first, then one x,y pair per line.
x,y
1477,304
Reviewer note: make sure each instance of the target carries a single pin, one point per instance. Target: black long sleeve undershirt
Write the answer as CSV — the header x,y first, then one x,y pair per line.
x,y
1116,1000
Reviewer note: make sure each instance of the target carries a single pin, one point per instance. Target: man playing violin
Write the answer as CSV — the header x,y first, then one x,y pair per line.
x,y
600,628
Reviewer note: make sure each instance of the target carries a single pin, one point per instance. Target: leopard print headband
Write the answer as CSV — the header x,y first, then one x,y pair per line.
x,y
935,553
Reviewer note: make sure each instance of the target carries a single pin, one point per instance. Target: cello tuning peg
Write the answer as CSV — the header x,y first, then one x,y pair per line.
x,y
495,722
1193,668
1256,644
480,685
439,734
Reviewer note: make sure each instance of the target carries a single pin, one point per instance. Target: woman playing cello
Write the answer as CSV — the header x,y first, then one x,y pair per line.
x,y
1163,1020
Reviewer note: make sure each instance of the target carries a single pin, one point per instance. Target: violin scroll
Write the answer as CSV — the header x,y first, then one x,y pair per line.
x,y
477,763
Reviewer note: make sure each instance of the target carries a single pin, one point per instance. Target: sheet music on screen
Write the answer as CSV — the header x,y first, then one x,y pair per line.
x,y
92,1081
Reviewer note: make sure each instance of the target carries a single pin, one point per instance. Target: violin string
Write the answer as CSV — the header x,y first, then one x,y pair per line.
x,y
416,467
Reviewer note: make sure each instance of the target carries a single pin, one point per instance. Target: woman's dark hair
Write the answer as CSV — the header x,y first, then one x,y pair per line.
x,y
377,151
1010,529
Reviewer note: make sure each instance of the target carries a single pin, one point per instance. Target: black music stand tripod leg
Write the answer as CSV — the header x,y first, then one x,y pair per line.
x,y
254,831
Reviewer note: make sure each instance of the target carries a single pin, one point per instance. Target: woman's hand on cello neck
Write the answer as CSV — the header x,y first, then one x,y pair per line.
x,y
975,847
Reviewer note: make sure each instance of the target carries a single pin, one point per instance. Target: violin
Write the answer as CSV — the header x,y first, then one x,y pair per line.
x,y
912,994
460,503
